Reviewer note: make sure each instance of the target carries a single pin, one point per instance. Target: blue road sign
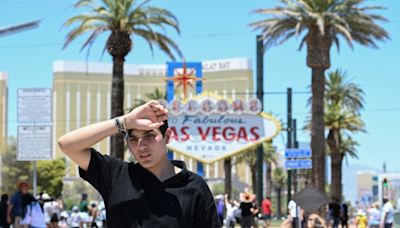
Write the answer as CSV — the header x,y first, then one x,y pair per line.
x,y
298,153
298,164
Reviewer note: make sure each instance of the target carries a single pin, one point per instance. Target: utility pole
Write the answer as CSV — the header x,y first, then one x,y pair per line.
x,y
260,95
289,142
295,145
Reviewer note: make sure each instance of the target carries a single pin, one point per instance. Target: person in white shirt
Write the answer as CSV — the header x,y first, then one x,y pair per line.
x,y
32,212
295,212
75,218
374,216
231,206
63,223
51,211
387,214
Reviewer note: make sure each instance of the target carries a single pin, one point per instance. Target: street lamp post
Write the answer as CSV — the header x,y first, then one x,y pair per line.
x,y
19,28
8,31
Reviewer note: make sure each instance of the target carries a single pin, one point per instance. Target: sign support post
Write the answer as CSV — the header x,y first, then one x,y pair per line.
x,y
260,96
289,144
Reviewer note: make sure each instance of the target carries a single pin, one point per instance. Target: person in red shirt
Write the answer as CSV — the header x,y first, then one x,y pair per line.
x,y
266,206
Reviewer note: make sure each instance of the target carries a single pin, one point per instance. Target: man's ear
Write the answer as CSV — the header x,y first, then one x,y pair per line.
x,y
167,136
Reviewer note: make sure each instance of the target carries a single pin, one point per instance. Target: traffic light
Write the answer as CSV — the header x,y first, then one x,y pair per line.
x,y
385,183
385,188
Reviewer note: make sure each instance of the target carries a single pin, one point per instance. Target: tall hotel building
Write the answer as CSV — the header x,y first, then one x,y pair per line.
x,y
3,110
82,94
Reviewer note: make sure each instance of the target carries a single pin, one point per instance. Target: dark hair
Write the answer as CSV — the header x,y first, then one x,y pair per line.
x,y
4,197
27,199
163,128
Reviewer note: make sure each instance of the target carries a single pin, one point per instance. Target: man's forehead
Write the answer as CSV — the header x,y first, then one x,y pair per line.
x,y
139,133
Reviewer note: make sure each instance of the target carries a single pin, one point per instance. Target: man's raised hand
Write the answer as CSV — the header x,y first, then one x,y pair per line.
x,y
147,116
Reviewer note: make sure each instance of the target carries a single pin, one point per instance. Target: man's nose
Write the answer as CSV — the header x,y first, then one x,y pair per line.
x,y
142,145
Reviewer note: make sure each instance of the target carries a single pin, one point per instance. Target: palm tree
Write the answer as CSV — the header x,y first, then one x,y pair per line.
x,y
323,22
121,20
157,94
343,102
279,180
228,176
250,158
271,159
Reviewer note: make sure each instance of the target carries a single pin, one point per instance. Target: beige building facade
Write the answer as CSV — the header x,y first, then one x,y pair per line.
x,y
82,95
367,188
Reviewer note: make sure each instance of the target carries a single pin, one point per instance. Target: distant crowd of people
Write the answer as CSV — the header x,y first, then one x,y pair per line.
x,y
43,211
373,217
245,212
376,217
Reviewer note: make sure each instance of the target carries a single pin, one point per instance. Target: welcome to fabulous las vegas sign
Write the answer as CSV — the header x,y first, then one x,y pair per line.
x,y
208,128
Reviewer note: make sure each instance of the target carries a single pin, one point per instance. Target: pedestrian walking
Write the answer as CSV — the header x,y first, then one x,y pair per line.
x,y
93,213
266,206
231,207
51,211
155,191
387,215
361,219
295,214
102,215
75,218
14,210
3,211
220,208
247,209
334,209
344,215
63,223
32,212
374,216
84,211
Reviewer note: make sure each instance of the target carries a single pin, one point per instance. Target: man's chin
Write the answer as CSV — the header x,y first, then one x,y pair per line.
x,y
146,164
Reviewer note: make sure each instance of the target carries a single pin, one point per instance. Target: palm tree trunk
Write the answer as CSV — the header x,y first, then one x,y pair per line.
x,y
279,202
336,164
268,178
117,104
228,177
336,185
253,167
317,128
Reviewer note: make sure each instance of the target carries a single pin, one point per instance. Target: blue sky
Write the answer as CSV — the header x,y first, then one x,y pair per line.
x,y
216,30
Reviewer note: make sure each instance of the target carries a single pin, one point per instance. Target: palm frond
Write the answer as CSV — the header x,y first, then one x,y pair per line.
x,y
126,16
166,45
347,19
